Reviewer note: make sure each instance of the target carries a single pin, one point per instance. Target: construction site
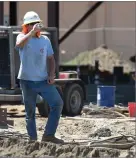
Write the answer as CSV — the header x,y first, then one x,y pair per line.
x,y
95,55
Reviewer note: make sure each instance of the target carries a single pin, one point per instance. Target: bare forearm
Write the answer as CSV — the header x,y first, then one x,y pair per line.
x,y
24,40
51,66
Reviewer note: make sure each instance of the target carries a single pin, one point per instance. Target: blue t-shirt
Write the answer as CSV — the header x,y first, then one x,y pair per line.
x,y
33,58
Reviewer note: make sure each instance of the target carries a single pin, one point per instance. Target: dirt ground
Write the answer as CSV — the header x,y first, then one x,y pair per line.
x,y
78,132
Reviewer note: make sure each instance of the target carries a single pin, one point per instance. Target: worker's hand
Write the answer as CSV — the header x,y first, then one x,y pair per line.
x,y
51,80
36,28
134,77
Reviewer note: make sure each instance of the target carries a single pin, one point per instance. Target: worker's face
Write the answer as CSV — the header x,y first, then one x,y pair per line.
x,y
30,26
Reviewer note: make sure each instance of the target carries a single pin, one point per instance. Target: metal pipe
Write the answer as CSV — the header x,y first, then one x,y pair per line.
x,y
12,59
80,21
56,54
1,12
53,21
13,13
53,15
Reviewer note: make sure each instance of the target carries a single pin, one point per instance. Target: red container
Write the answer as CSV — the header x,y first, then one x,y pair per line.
x,y
63,75
132,109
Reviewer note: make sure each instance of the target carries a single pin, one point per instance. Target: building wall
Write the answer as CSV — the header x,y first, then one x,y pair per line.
x,y
70,12
6,8
120,15
109,14
39,7
23,7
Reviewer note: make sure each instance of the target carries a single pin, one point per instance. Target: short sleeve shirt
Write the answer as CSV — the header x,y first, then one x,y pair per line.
x,y
33,58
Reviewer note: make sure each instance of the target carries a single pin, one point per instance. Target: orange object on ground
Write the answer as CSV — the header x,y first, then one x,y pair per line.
x,y
132,109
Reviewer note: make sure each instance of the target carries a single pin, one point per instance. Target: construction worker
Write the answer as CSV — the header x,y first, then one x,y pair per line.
x,y
35,52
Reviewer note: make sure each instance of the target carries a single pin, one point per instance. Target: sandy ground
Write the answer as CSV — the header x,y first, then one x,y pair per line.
x,y
77,132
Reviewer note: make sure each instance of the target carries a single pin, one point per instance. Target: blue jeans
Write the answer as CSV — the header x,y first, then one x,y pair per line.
x,y
30,90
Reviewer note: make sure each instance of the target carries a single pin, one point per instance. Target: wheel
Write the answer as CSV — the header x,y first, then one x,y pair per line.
x,y
73,100
42,105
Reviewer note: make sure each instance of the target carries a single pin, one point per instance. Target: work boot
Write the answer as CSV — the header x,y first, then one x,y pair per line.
x,y
31,140
51,138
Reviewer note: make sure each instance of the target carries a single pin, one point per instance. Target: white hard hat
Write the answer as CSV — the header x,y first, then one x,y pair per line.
x,y
31,17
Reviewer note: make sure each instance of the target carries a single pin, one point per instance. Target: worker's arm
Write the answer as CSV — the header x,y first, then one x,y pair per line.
x,y
22,39
51,66
134,76
50,63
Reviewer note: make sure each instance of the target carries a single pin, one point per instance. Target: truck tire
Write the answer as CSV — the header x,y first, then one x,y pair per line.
x,y
43,107
73,99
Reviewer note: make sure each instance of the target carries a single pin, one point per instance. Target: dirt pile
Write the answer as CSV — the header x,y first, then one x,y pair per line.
x,y
104,112
107,59
102,132
82,135
20,148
